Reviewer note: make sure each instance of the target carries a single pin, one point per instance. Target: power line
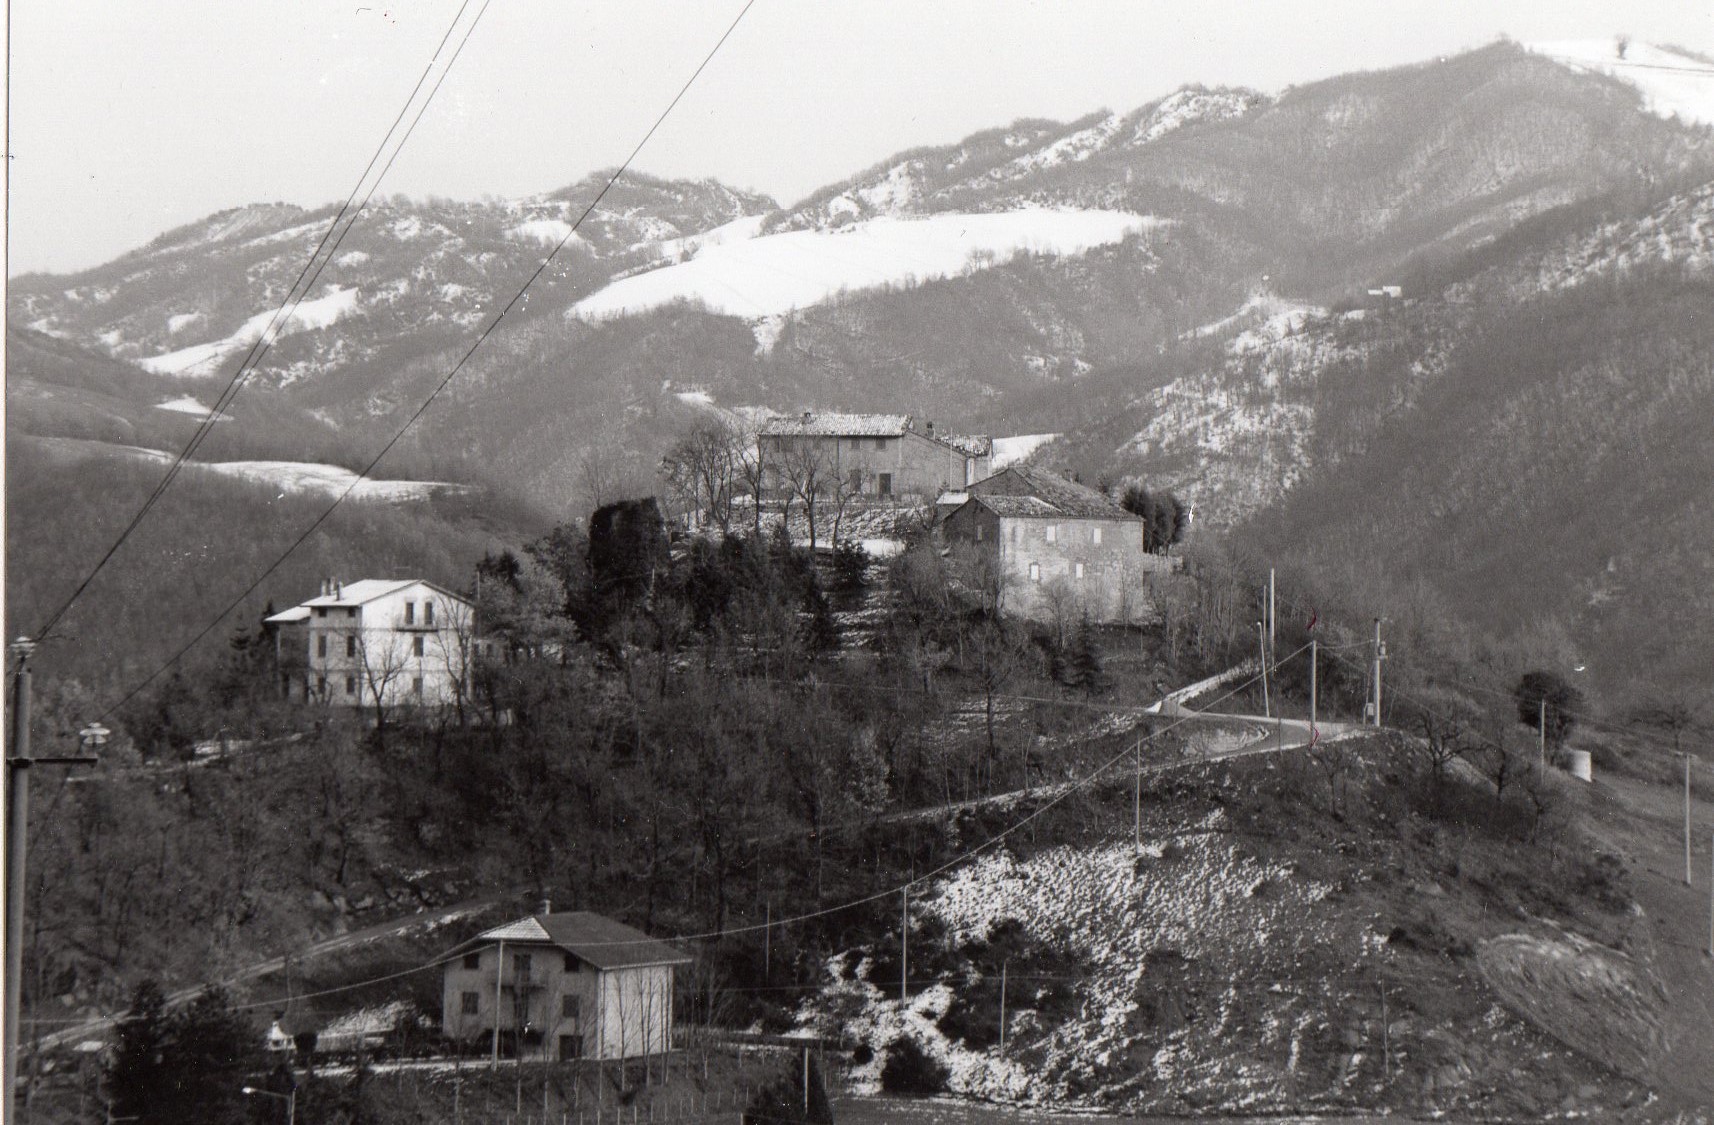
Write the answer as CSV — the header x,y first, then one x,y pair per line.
x,y
1066,791
450,375
293,299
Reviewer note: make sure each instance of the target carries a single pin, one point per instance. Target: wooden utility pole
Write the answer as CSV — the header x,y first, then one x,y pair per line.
x,y
1137,806
1541,730
1003,966
768,943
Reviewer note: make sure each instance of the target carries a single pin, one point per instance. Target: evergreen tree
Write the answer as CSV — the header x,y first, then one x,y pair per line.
x,y
138,1080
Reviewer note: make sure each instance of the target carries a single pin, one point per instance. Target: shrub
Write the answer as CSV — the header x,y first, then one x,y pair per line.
x,y
910,1070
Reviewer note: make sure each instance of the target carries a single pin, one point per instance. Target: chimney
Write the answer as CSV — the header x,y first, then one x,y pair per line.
x,y
547,906
338,588
807,415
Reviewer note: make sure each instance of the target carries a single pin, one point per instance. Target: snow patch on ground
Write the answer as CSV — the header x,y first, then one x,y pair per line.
x,y
1670,83
1010,450
772,275
335,305
179,321
329,480
1198,896
1190,106
190,405
549,232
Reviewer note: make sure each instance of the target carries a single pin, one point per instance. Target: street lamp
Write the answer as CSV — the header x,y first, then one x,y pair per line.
x,y
291,1100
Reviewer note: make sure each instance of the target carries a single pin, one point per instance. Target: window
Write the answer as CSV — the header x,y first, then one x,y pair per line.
x,y
1035,572
1080,570
321,645
351,685
571,1046
1053,533
854,480
352,612
521,964
880,445
428,613
571,963
416,646
1095,536
410,613
978,533
321,611
321,685
468,1003
884,484
416,685
473,960
569,1007
351,644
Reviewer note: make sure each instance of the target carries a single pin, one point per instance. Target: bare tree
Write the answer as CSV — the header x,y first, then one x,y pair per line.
x,y
703,470
808,473
382,659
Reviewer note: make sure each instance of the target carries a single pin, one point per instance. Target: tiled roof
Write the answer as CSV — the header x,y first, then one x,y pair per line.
x,y
1062,497
599,940
836,425
362,590
1030,506
976,445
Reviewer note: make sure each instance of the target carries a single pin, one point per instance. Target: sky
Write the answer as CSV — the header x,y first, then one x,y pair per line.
x,y
127,119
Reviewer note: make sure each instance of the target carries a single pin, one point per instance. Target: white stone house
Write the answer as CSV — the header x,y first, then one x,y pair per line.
x,y
562,986
878,456
378,642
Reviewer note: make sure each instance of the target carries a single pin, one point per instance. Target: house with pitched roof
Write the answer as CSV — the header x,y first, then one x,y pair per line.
x,y
879,456
376,643
562,986
1061,547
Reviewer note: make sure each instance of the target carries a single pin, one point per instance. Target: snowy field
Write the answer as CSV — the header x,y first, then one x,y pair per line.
x,y
771,275
1011,450
1670,82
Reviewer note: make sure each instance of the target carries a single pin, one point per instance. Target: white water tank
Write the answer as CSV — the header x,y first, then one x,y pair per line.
x,y
1582,765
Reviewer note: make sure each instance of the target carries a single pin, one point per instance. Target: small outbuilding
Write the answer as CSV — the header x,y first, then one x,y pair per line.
x,y
562,986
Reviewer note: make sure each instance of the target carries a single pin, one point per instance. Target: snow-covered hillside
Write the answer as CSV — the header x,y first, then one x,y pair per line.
x,y
774,274
202,359
1671,82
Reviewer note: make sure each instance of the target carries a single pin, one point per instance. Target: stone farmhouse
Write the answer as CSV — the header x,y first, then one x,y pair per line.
x,y
398,642
1062,547
878,456
562,986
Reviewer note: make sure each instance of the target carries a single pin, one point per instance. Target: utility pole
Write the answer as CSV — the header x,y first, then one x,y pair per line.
x,y
17,836
18,765
904,946
1541,730
1003,967
1272,609
1313,649
768,943
1380,655
1262,644
1137,806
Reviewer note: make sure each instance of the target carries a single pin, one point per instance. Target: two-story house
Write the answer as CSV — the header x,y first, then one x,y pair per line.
x,y
562,986
880,456
377,643
1062,547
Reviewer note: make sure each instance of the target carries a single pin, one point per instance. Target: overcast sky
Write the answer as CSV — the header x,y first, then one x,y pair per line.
x,y
130,117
